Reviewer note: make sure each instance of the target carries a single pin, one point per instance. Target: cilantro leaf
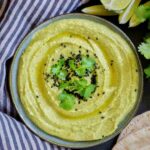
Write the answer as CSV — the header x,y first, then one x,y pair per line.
x,y
81,71
147,71
89,90
62,74
67,101
144,48
88,63
55,69
143,12
72,64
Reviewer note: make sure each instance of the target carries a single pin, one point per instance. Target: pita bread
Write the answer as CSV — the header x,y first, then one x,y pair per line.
x,y
139,140
139,122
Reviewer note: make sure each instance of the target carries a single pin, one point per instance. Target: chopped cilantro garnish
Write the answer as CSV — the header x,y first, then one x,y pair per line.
x,y
88,63
89,90
55,69
69,74
81,71
72,64
67,101
62,74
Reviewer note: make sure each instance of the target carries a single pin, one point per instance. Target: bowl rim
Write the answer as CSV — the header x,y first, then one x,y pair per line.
x,y
20,109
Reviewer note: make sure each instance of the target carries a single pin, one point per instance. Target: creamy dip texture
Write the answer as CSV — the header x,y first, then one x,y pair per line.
x,y
87,94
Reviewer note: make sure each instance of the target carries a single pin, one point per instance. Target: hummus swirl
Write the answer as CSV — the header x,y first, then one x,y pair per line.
x,y
117,80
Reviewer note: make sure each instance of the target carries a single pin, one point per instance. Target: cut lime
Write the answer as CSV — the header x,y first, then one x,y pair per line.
x,y
134,21
115,4
99,10
128,12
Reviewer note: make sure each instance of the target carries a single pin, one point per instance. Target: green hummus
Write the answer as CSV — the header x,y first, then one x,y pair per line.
x,y
84,99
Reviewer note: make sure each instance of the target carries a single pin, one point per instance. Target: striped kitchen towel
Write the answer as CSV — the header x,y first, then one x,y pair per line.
x,y
17,18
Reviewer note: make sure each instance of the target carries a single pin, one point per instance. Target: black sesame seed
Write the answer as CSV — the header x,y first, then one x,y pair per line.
x,y
37,96
103,93
64,46
61,44
80,46
103,136
100,112
44,64
98,94
135,90
53,59
87,55
102,117
61,56
76,109
88,37
136,70
79,51
87,50
79,102
96,38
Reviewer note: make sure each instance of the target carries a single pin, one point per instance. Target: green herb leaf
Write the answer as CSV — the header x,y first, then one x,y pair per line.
x,y
64,85
55,69
89,90
144,48
61,62
147,72
82,82
81,71
67,101
72,64
88,63
62,74
143,12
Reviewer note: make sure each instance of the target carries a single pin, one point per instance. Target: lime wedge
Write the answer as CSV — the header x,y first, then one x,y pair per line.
x,y
128,12
134,21
99,10
115,4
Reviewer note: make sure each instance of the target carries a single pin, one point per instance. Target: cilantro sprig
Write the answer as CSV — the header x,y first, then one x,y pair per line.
x,y
143,13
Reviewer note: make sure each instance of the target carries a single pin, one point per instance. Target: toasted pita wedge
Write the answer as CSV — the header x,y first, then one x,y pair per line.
x,y
139,122
139,140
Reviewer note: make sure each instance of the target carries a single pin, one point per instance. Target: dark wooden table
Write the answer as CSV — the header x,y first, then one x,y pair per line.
x,y
136,35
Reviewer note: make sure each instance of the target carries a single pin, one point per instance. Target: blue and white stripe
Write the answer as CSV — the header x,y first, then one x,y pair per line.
x,y
17,18
15,136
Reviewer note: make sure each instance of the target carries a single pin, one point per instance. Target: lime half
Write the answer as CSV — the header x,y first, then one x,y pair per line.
x,y
115,5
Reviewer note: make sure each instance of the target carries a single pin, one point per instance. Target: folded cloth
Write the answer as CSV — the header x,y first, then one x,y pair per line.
x,y
17,18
